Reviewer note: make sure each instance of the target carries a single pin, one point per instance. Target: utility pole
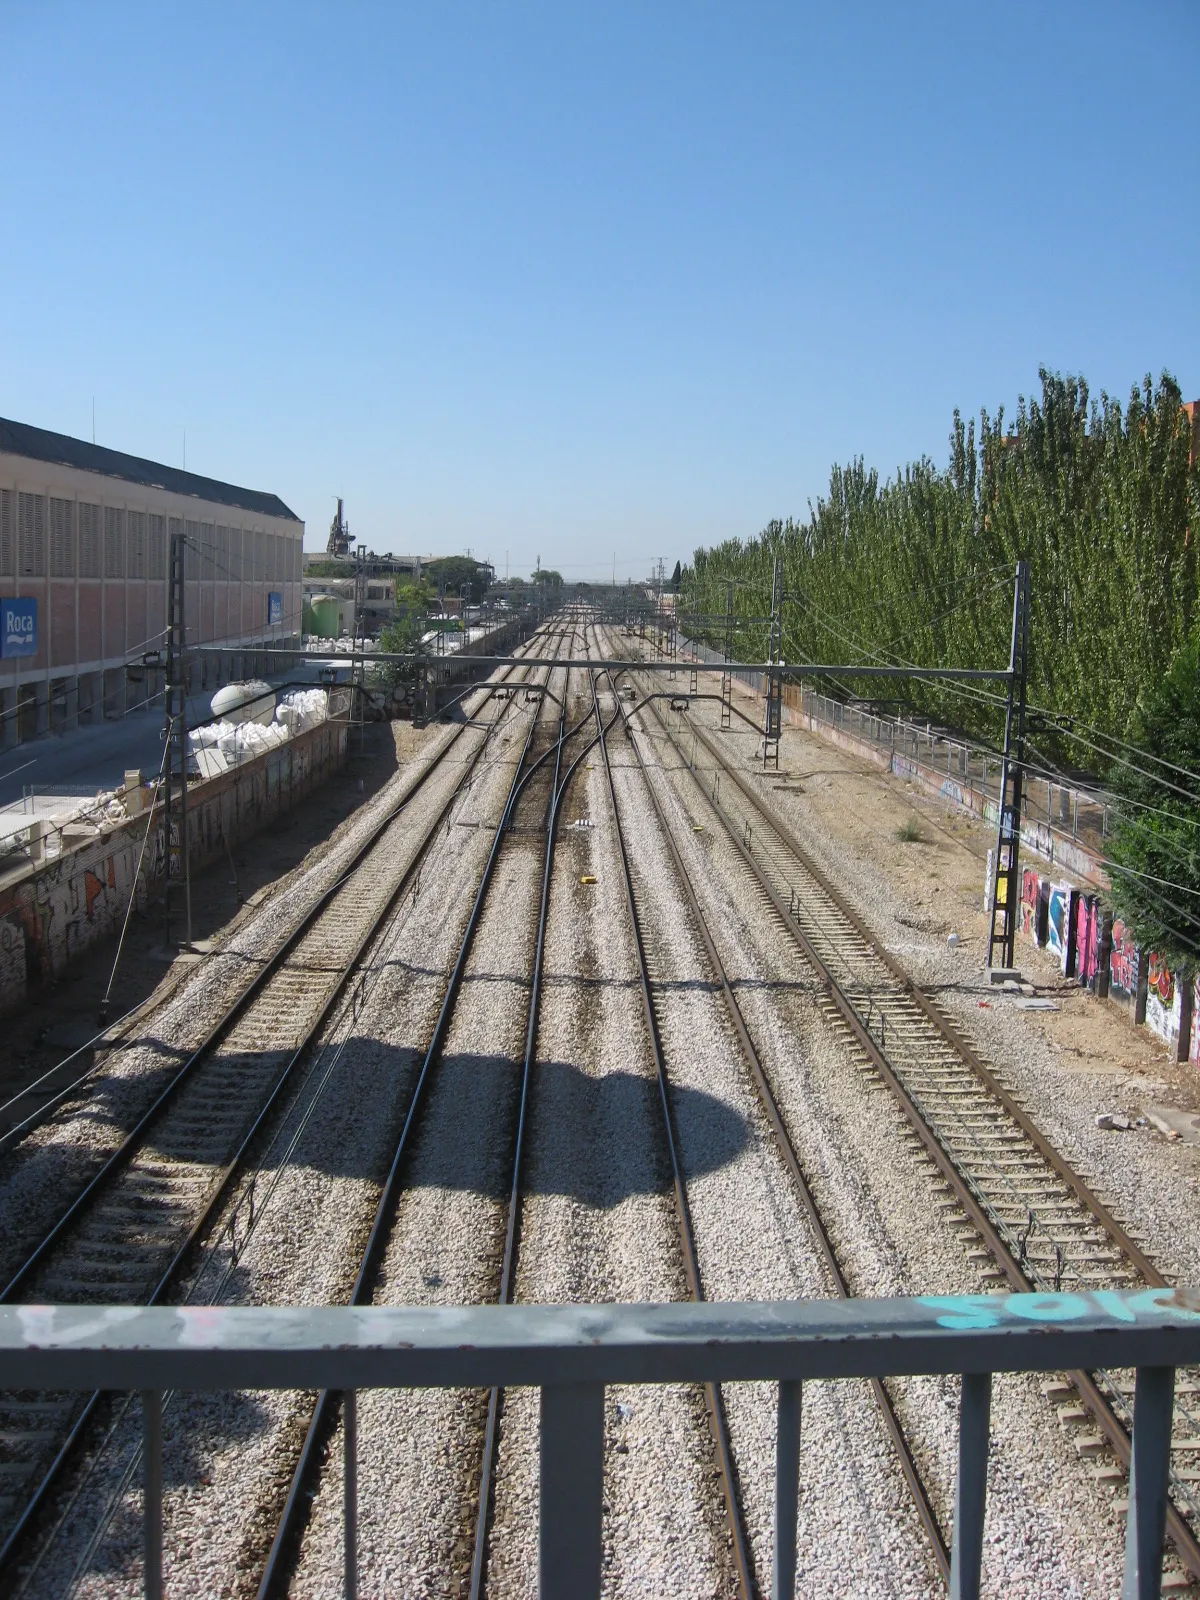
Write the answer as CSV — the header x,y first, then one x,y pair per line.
x,y
1006,872
773,723
727,675
175,817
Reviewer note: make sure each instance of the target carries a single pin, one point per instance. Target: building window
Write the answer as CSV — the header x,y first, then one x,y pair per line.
x,y
156,555
208,550
235,554
191,557
89,540
114,542
62,538
31,517
8,532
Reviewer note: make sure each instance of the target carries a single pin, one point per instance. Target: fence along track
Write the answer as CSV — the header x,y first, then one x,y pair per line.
x,y
127,1236
714,1402
296,1510
1044,1227
791,1159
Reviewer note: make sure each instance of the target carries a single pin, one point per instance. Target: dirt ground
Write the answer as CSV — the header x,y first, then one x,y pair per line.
x,y
941,875
63,1015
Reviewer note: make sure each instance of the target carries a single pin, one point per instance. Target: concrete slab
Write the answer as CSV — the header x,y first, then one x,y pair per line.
x,y
1177,1120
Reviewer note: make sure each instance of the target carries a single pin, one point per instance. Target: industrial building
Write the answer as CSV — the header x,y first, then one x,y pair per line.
x,y
84,539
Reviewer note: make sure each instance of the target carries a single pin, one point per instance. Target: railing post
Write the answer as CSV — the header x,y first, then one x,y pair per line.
x,y
787,1492
970,1501
572,1487
350,1492
1153,1400
152,1484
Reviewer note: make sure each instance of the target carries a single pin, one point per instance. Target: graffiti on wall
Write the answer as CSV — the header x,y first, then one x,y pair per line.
x,y
1124,963
50,915
1036,836
1030,888
1160,980
1058,911
1163,1007
1087,938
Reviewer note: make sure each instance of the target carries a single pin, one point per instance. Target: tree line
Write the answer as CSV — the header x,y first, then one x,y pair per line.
x,y
1103,501
1097,497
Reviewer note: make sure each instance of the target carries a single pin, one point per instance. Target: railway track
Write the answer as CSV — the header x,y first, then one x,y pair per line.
x,y
128,1234
58,1087
655,983
713,1399
535,794
1034,1223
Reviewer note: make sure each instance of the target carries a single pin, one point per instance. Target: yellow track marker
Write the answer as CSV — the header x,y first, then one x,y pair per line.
x,y
587,878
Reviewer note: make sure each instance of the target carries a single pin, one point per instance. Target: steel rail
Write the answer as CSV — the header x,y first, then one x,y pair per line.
x,y
512,1226
791,1159
229,1173
285,1545
1117,1435
714,1402
13,1136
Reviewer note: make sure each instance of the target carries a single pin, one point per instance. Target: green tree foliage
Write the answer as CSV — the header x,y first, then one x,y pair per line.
x,y
1156,847
918,569
330,568
459,575
675,577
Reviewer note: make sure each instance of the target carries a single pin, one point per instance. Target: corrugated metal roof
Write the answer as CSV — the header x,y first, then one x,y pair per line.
x,y
39,444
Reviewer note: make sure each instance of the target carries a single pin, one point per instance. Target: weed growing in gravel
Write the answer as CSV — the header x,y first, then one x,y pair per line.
x,y
910,832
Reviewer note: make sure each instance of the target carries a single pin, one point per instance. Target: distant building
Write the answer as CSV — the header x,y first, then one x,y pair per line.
x,y
399,566
84,537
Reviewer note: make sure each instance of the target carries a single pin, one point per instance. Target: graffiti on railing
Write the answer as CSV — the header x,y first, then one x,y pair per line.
x,y
961,1311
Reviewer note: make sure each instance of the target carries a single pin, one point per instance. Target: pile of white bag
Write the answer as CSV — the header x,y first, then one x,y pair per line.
x,y
303,709
220,745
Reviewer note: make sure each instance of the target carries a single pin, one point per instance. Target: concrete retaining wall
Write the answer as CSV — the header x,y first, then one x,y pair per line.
x,y
52,911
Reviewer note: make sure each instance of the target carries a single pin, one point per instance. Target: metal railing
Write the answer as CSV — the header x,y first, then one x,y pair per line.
x,y
1082,814
571,1353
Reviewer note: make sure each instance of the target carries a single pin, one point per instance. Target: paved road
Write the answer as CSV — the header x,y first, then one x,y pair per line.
x,y
96,756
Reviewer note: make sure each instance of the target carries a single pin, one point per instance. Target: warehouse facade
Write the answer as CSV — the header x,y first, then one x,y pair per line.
x,y
84,539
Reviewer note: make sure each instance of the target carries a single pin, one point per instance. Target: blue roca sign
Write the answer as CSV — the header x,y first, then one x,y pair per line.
x,y
18,628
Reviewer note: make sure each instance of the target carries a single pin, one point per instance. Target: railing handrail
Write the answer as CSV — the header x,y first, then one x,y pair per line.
x,y
572,1352
274,1347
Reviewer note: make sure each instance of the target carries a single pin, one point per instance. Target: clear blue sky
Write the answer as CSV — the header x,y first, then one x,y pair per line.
x,y
573,280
